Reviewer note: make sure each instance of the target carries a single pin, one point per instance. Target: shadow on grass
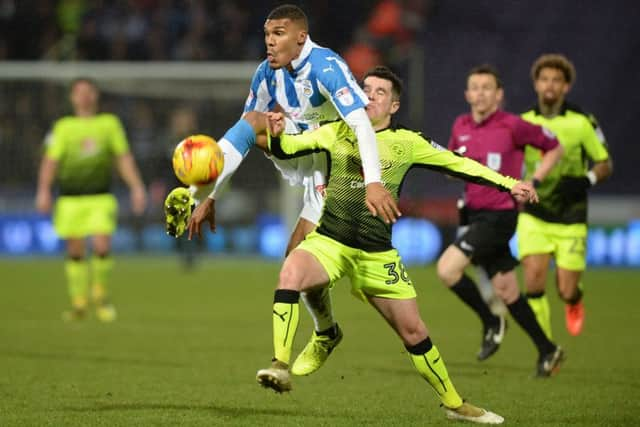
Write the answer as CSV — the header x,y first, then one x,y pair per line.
x,y
75,357
224,410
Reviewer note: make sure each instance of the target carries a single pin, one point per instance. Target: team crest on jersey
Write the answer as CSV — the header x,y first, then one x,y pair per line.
x,y
398,150
494,161
464,138
307,88
344,96
89,147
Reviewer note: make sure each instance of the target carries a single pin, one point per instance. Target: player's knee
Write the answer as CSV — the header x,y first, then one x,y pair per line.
x,y
448,275
414,333
290,278
567,293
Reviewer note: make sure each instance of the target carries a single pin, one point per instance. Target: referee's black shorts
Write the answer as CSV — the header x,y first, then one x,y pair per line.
x,y
486,240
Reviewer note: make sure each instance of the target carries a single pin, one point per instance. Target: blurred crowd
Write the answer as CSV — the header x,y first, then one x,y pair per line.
x,y
365,32
191,30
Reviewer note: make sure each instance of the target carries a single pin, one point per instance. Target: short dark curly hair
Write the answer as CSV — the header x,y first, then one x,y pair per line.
x,y
557,61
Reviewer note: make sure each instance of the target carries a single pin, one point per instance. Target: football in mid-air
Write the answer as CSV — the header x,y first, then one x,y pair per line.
x,y
198,160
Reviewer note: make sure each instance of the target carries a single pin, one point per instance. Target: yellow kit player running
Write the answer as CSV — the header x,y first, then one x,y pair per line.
x,y
80,154
557,227
349,241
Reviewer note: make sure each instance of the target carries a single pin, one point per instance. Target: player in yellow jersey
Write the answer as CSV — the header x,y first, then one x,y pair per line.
x,y
556,228
80,155
349,241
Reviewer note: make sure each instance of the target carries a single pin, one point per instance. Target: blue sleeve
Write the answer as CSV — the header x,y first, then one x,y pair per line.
x,y
241,136
333,74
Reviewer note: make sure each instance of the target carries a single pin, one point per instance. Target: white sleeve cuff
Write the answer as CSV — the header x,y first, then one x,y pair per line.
x,y
232,159
361,125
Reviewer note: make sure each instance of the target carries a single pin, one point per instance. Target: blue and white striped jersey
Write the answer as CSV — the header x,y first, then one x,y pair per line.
x,y
320,89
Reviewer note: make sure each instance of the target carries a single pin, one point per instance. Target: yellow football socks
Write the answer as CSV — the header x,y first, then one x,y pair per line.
x,y
77,272
540,306
429,363
285,322
101,269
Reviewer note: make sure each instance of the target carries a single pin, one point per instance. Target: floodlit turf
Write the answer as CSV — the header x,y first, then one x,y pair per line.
x,y
187,346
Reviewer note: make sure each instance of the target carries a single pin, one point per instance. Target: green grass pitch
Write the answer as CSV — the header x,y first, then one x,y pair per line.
x,y
186,348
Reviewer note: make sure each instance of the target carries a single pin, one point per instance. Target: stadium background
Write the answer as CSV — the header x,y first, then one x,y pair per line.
x,y
431,44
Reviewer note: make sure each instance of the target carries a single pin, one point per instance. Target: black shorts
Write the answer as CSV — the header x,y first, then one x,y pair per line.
x,y
486,240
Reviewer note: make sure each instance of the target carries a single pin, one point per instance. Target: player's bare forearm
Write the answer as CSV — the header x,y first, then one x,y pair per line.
x,y
205,212
46,175
603,169
549,160
129,173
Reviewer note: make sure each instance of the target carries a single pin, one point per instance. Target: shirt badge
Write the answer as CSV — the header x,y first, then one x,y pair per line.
x,y
344,96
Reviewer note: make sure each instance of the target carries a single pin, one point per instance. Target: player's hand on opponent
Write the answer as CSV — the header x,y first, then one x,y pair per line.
x,y
177,210
381,203
44,201
275,123
524,192
205,212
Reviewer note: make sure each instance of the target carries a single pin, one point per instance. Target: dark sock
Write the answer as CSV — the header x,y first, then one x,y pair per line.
x,y
468,292
331,332
522,313
576,297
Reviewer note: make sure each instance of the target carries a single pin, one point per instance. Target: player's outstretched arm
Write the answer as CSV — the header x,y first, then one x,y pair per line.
x,y
46,175
549,160
205,212
235,144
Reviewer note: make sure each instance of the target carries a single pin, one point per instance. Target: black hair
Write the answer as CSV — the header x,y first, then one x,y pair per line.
x,y
289,11
486,69
384,72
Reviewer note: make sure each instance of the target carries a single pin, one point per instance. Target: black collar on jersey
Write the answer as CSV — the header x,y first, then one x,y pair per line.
x,y
563,109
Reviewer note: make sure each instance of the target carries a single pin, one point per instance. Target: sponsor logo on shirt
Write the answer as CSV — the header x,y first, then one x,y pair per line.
x,y
464,138
328,69
384,164
344,96
313,116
